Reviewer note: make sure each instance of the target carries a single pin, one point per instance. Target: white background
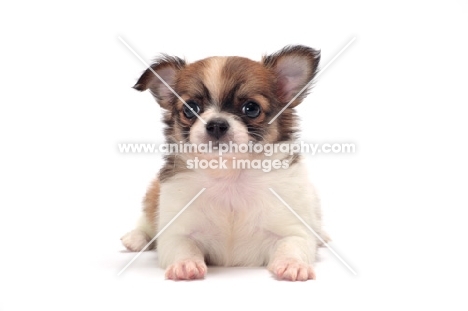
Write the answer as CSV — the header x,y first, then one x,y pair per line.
x,y
396,209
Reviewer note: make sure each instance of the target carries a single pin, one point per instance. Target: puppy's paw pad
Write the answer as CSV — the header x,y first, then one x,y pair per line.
x,y
186,270
135,240
292,270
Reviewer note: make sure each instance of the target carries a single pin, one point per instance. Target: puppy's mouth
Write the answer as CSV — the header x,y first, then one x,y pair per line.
x,y
219,131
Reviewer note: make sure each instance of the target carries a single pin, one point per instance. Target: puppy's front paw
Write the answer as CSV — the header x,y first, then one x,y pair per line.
x,y
136,240
186,270
292,270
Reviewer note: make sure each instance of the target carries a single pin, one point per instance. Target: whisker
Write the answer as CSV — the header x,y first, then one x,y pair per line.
x,y
255,134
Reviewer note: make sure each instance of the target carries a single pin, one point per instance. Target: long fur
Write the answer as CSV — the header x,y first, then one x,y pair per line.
x,y
236,221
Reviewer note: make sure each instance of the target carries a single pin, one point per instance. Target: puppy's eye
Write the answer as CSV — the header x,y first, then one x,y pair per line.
x,y
251,109
190,112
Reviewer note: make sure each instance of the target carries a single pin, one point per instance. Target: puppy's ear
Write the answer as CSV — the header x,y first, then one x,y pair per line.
x,y
167,68
294,66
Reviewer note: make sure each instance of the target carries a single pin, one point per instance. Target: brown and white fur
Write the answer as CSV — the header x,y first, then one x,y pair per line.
x,y
236,221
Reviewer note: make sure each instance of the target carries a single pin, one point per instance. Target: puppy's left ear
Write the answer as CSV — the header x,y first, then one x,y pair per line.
x,y
294,66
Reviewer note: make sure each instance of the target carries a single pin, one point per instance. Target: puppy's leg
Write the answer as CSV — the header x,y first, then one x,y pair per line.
x,y
186,258
292,259
145,230
318,223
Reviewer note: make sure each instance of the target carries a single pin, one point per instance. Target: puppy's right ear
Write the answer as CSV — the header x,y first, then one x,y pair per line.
x,y
167,68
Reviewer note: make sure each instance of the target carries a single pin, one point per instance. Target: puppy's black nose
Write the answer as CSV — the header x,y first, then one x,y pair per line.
x,y
217,127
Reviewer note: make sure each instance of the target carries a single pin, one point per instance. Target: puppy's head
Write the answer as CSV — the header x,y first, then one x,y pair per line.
x,y
231,99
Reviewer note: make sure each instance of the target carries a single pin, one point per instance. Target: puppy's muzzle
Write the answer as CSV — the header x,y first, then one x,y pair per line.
x,y
217,127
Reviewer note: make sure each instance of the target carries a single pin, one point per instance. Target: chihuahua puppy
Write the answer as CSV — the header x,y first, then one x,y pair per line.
x,y
236,220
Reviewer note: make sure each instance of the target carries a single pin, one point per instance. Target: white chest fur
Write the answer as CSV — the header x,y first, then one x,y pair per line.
x,y
237,220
